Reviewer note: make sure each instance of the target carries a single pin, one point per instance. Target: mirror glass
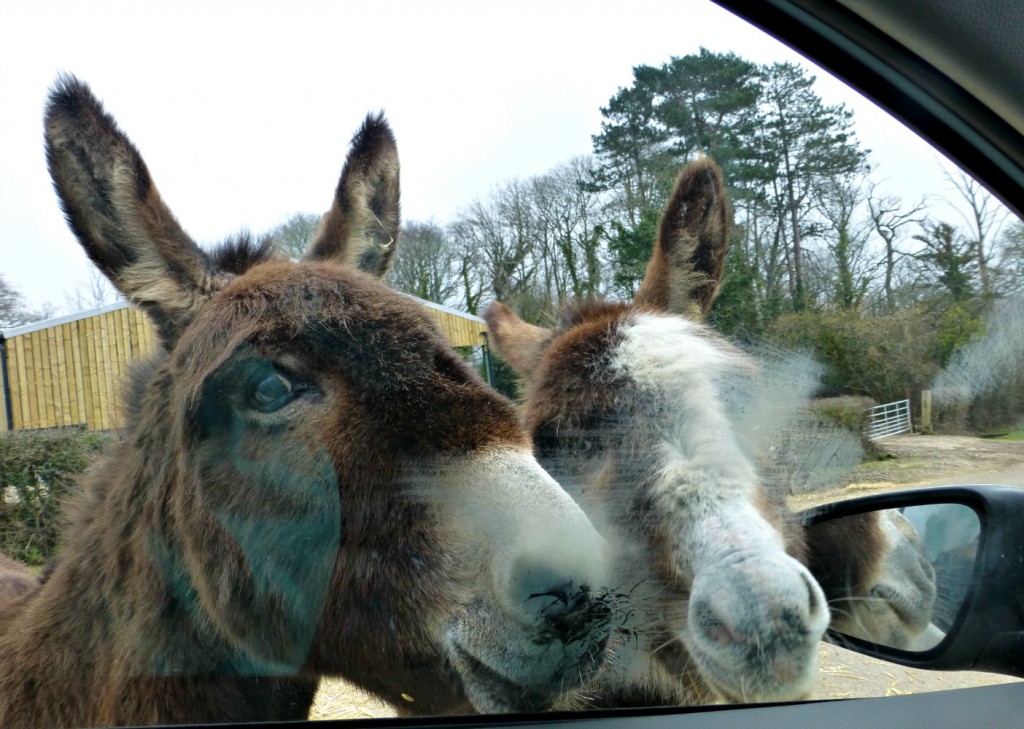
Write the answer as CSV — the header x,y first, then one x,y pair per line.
x,y
923,558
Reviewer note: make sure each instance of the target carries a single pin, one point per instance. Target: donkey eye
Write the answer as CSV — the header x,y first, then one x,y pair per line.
x,y
272,393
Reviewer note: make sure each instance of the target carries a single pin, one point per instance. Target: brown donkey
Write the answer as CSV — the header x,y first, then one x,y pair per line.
x,y
15,580
310,482
625,407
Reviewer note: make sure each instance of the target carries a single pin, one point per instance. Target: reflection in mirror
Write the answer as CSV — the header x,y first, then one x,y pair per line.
x,y
924,557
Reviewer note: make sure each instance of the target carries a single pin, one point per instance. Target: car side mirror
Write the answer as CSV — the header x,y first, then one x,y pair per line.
x,y
959,551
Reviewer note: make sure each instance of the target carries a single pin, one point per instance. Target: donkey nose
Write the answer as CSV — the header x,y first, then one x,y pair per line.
x,y
541,594
548,561
553,587
785,609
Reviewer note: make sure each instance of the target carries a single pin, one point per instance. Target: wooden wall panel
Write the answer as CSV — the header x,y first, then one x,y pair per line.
x,y
71,373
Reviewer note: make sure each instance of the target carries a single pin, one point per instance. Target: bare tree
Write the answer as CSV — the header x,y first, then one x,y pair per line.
x,y
889,217
1009,275
535,242
568,217
470,268
837,201
985,217
292,237
95,291
500,234
13,312
803,141
426,265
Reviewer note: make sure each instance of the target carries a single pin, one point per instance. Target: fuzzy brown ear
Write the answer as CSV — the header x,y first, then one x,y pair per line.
x,y
520,344
689,254
361,228
114,209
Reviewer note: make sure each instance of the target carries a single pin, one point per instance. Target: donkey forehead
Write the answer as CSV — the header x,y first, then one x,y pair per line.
x,y
665,351
314,311
650,348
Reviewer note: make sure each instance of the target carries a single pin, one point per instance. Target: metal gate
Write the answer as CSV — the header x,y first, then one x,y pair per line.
x,y
892,418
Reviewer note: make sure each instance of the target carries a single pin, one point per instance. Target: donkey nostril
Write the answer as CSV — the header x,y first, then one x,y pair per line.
x,y
551,603
563,599
574,613
714,626
535,588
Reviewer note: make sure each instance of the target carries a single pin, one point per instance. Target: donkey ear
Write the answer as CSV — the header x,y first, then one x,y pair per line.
x,y
116,213
689,254
520,344
361,228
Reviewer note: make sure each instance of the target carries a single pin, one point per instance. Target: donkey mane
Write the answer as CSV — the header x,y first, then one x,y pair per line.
x,y
571,313
238,254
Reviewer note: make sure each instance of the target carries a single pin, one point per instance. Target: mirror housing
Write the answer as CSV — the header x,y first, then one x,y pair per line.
x,y
987,633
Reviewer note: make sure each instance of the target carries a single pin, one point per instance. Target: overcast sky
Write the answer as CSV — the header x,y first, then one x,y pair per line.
x,y
243,111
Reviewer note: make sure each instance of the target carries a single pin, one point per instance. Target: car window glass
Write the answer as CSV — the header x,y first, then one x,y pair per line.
x,y
405,432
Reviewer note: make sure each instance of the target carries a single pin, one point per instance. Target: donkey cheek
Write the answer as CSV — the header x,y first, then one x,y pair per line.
x,y
286,542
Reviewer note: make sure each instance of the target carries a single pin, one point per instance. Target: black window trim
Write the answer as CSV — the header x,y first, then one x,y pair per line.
x,y
912,90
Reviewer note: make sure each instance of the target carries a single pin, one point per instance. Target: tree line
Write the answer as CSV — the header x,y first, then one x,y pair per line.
x,y
821,256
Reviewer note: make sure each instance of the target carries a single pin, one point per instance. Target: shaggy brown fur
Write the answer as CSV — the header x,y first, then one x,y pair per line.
x,y
280,506
592,426
845,554
16,581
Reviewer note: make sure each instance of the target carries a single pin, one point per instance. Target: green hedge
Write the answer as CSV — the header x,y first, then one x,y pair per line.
x,y
880,357
850,412
37,470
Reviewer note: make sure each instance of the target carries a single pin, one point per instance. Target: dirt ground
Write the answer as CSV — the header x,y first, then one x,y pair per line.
x,y
338,700
930,460
916,461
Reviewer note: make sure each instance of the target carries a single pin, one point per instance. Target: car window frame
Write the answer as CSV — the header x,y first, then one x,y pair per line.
x,y
907,86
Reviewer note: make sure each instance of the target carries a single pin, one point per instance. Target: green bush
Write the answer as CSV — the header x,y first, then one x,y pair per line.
x,y
850,413
880,357
37,470
847,412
